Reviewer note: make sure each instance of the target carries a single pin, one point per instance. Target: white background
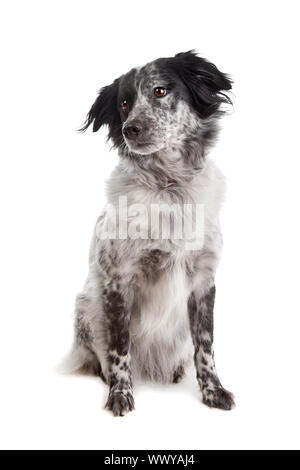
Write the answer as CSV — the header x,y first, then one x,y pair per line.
x,y
55,55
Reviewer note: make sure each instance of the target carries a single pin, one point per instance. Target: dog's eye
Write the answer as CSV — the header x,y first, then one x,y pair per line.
x,y
160,92
124,104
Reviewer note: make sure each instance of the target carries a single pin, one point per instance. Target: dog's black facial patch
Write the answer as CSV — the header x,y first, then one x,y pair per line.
x,y
128,92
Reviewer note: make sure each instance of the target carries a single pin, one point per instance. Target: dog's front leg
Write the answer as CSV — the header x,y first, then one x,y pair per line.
x,y
201,309
117,306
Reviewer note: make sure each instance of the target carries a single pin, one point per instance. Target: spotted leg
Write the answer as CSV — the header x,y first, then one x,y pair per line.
x,y
117,310
201,323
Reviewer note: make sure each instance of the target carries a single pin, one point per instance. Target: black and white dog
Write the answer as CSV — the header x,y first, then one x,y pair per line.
x,y
147,306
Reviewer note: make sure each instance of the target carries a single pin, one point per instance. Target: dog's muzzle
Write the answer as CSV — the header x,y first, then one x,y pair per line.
x,y
133,131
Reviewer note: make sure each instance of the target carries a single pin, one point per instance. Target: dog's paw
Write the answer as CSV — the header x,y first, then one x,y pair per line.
x,y
218,398
120,403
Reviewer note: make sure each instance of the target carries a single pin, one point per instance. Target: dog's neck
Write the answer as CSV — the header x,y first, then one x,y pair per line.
x,y
167,168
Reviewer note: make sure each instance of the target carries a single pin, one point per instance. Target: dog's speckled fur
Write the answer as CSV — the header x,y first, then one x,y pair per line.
x,y
148,303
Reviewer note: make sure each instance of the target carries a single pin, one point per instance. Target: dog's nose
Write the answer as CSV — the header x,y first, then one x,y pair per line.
x,y
132,131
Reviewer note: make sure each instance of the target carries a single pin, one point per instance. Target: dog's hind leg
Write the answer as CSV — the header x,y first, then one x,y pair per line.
x,y
201,321
83,357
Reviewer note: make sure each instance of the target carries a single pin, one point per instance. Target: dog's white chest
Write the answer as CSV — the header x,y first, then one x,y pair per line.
x,y
160,328
163,307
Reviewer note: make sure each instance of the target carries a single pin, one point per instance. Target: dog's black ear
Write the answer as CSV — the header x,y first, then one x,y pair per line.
x,y
204,81
105,112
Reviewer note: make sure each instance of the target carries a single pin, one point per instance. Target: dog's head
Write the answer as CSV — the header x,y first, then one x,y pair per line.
x,y
161,104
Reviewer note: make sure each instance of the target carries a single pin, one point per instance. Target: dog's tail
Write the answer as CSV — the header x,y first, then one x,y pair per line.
x,y
80,361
